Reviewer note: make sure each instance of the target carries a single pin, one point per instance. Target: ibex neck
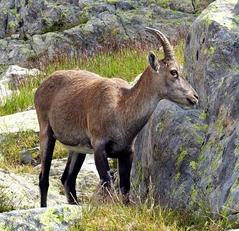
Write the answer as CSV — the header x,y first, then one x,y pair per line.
x,y
138,104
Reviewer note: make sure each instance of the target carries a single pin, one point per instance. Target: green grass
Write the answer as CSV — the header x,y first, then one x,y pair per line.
x,y
144,217
21,99
125,63
13,144
18,101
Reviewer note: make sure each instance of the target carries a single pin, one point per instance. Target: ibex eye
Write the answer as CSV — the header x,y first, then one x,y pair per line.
x,y
174,73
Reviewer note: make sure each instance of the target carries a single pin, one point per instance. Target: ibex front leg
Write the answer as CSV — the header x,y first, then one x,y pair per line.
x,y
47,144
124,166
102,164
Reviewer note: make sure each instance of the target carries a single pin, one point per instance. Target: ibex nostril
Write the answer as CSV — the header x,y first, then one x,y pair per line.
x,y
196,96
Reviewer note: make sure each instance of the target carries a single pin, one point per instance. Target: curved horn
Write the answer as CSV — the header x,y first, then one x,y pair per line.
x,y
167,48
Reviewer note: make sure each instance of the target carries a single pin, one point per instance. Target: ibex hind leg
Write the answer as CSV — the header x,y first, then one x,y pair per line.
x,y
47,144
68,179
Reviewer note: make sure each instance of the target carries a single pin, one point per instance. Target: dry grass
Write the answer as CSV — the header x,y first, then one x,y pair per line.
x,y
109,214
98,216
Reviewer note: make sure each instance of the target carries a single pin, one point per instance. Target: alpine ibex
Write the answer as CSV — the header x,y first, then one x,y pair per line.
x,y
91,114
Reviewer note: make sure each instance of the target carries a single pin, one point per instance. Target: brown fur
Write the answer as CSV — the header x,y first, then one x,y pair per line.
x,y
80,105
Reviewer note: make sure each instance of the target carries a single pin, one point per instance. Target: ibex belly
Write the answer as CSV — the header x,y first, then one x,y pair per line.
x,y
81,149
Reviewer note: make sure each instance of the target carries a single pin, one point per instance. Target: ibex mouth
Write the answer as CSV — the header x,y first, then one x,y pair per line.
x,y
191,101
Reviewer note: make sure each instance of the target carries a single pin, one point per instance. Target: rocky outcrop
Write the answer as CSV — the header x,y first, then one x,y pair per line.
x,y
191,157
55,218
18,122
34,29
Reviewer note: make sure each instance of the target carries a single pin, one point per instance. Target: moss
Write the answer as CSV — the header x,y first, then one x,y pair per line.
x,y
219,126
211,50
207,20
162,3
84,18
115,31
55,26
4,228
15,13
112,2
193,165
224,18
3,67
217,158
236,150
201,127
50,217
198,129
177,176
180,157
193,194
160,126
71,213
5,200
199,140
230,202
12,25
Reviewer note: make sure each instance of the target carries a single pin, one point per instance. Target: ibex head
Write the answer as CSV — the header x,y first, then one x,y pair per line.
x,y
166,73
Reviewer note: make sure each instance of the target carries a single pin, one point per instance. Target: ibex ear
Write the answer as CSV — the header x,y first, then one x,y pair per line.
x,y
153,61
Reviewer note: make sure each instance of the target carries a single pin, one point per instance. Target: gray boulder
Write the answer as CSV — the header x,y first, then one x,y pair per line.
x,y
190,157
21,121
166,153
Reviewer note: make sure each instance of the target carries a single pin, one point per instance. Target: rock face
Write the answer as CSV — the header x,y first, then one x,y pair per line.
x,y
191,157
33,29
56,218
